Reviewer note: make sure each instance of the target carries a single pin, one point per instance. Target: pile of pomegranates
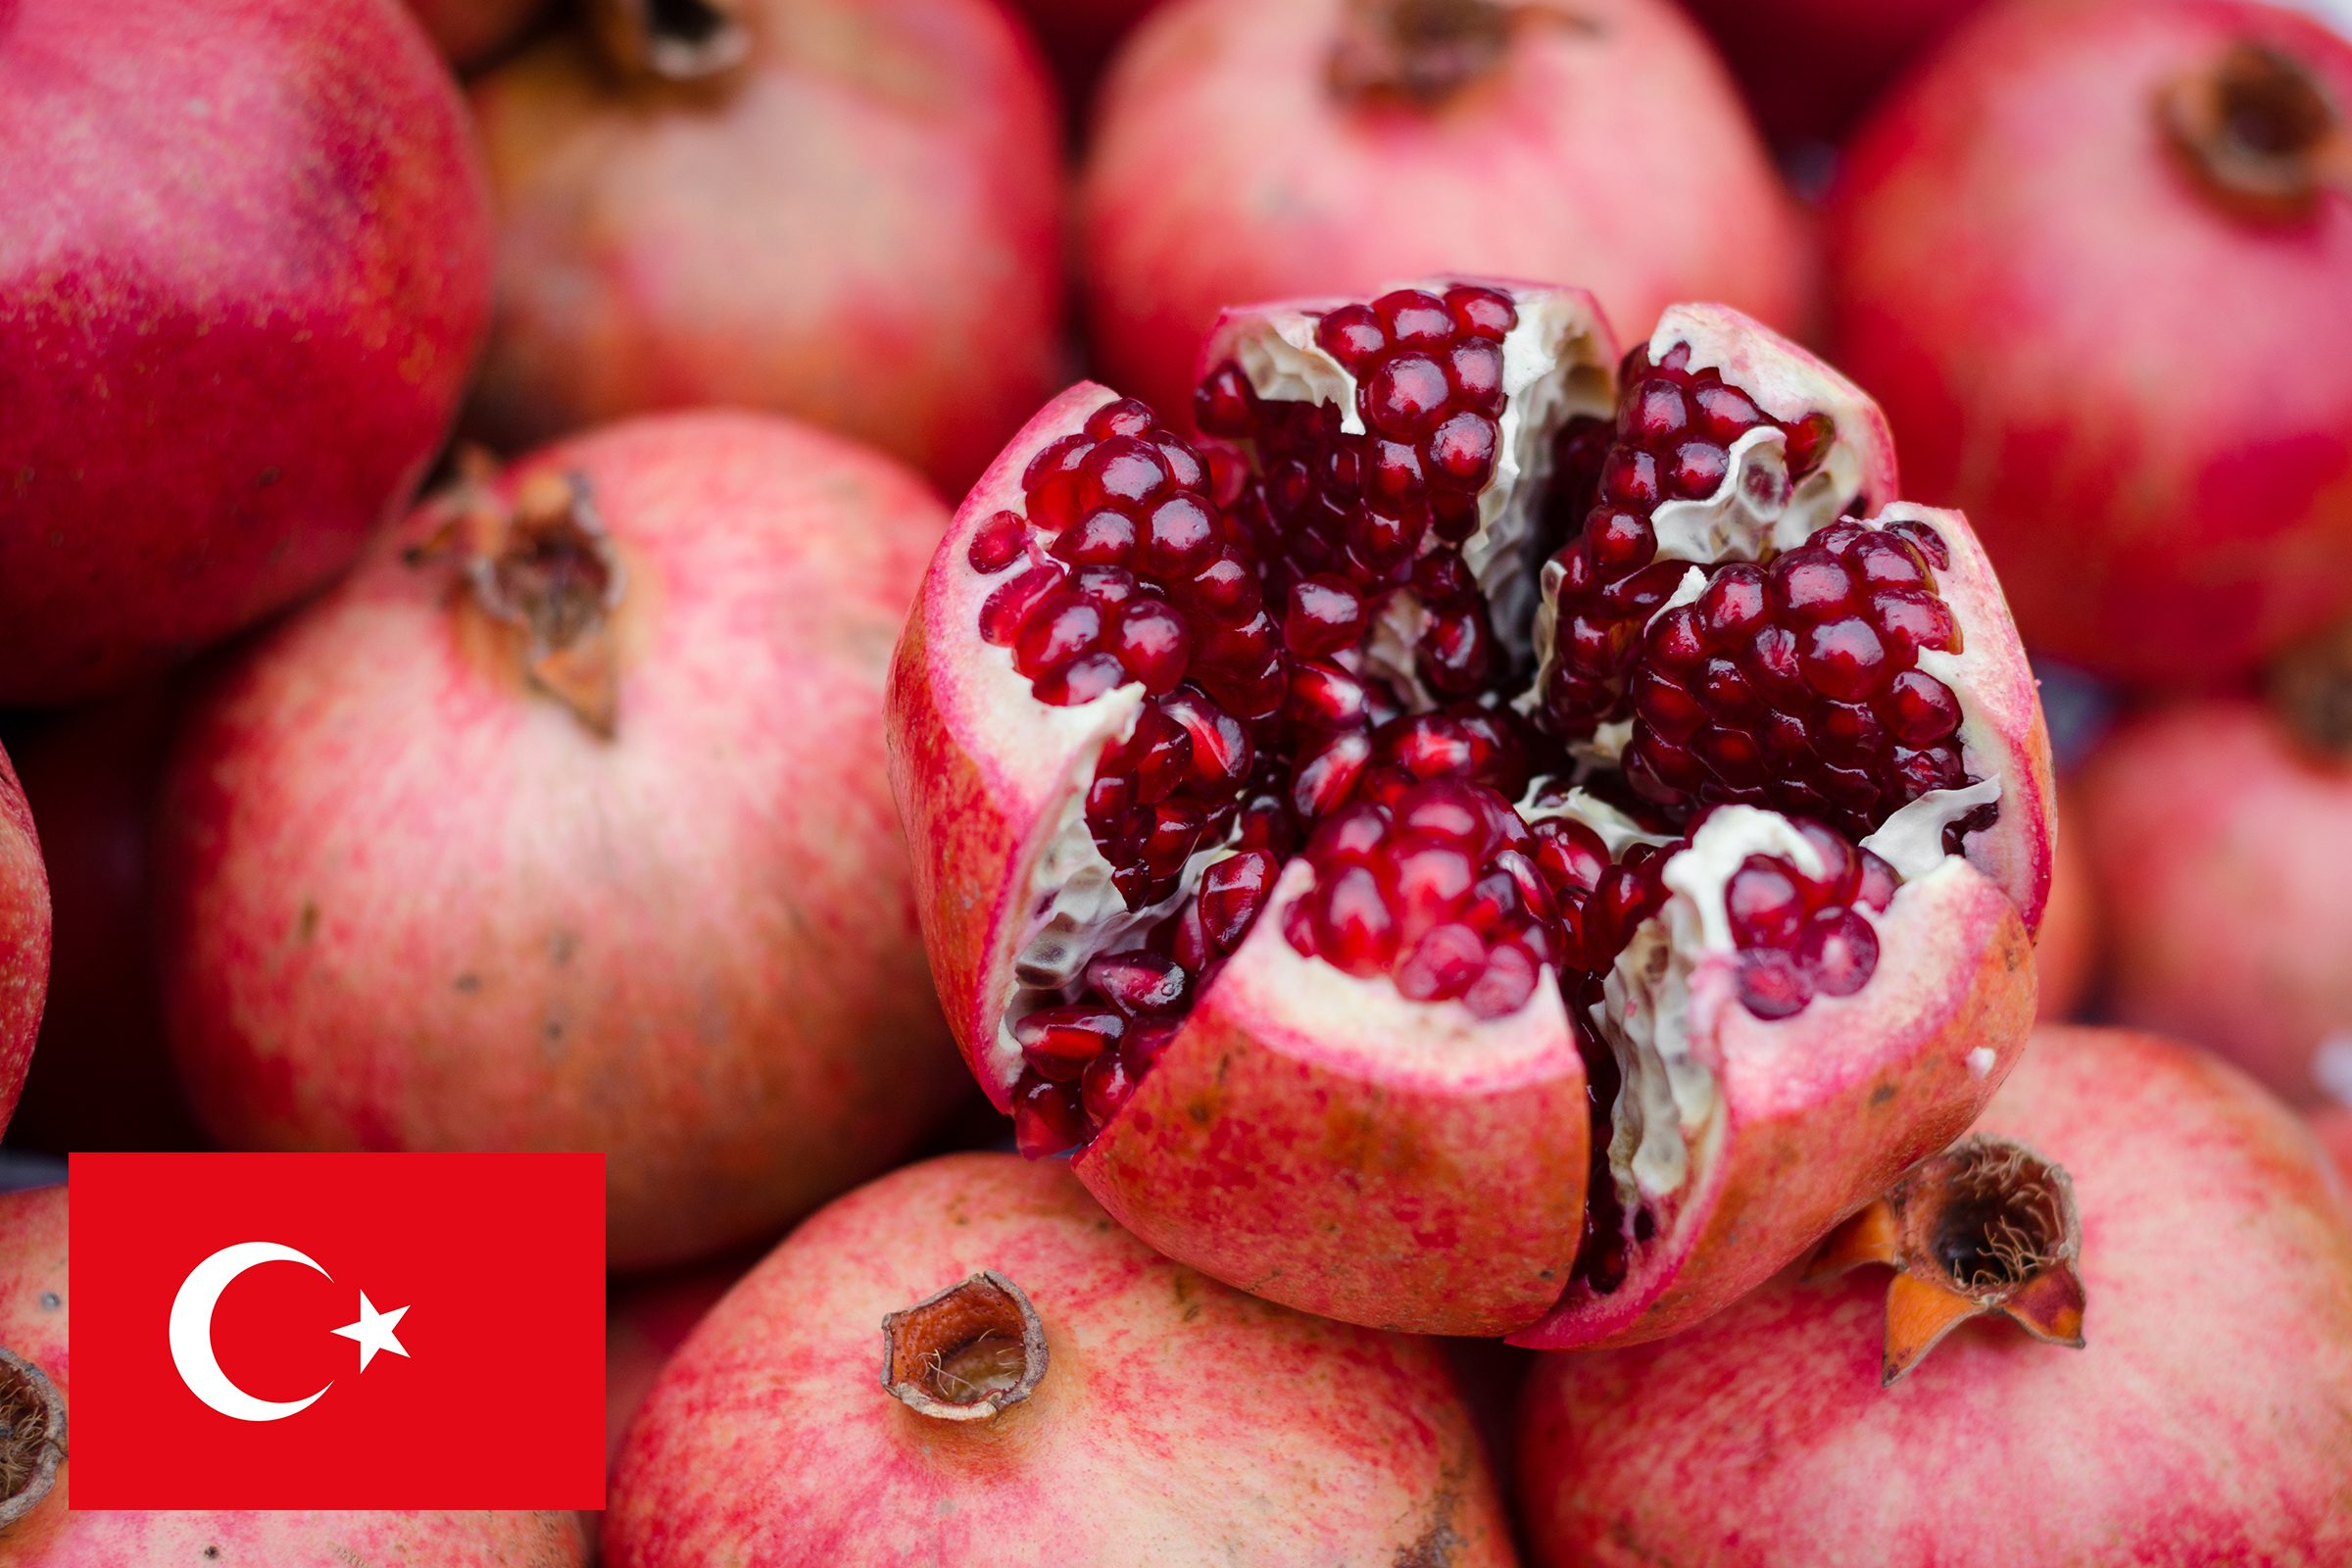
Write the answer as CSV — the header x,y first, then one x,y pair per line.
x,y
1500,837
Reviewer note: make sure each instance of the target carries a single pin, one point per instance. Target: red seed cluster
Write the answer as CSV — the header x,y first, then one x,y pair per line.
x,y
1799,935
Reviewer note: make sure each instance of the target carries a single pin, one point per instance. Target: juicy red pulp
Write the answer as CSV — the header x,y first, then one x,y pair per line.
x,y
1241,594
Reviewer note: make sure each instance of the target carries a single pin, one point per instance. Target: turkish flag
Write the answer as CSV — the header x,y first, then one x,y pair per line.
x,y
337,1331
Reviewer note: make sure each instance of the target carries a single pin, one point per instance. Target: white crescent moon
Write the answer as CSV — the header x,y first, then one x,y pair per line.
x,y
192,1332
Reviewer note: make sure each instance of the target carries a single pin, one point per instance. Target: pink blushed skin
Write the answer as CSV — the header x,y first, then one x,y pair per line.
x,y
473,33
2334,1124
24,933
1178,1423
2207,1419
2159,458
230,342
407,901
860,226
2217,844
1224,167
34,1309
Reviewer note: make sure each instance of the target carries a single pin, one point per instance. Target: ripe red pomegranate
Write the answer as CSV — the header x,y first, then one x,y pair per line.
x,y
474,33
1245,151
2159,457
23,938
2066,950
1720,832
1051,1392
574,835
2206,1419
2218,837
37,1530
849,211
101,1076
1810,66
226,357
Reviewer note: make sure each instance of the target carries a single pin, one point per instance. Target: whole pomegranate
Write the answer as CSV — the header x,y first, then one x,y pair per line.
x,y
2218,836
568,829
1427,933
37,1530
1051,1392
849,211
1245,151
23,938
474,33
101,1077
1810,66
2066,950
2205,1420
226,356
2158,456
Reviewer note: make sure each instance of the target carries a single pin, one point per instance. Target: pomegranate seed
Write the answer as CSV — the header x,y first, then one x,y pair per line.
x,y
1763,904
1059,1041
1223,405
1047,1118
1101,538
1845,659
1808,583
1837,952
1106,1087
1136,982
1124,416
1441,965
1056,632
1414,319
1326,776
1508,980
1353,929
1406,396
1773,984
1323,696
1354,336
1123,470
998,543
1475,368
1152,643
1920,709
1461,450
1179,537
1008,607
1482,312
1232,892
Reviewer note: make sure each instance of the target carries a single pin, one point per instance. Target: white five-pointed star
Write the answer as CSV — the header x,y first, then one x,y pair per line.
x,y
373,1331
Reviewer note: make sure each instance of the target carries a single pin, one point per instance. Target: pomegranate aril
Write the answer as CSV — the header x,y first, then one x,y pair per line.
x,y
1913,773
1482,312
1059,1041
1475,368
1456,653
1733,604
1105,1088
1152,643
1414,319
1764,904
1809,441
1406,396
1696,471
1666,708
1179,538
1838,953
1617,541
1224,405
1724,414
1047,1117
1100,538
1630,478
1326,776
1845,659
1232,892
1913,619
1059,457
1354,930
1924,538
1773,984
1325,616
1875,883
1123,470
1808,583
1226,589
1354,336
1124,416
1919,709
1442,964
1137,981
1461,450
1056,632
1080,681
1430,876
998,543
1007,607
1503,986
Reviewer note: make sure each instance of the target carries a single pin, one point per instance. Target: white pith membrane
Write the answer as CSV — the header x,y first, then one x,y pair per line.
x,y
1667,1119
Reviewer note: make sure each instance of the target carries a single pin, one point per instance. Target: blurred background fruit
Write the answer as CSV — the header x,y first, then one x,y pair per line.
x,y
2333,1123
1245,152
2218,835
1078,37
1138,1414
848,211
2206,1420
474,33
649,1319
1810,66
228,354
25,937
574,835
2066,950
2093,259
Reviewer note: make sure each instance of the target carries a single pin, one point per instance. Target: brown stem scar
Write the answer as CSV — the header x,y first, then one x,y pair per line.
x,y
671,40
32,1436
2259,130
969,1354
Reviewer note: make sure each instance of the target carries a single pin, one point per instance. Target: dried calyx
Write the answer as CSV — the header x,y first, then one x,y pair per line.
x,y
670,40
969,1354
2261,131
544,568
1423,52
1985,1227
32,1436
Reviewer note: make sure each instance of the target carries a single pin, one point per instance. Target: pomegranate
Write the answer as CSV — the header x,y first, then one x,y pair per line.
x,y
2206,1419
37,1530
475,32
568,829
1051,1392
226,358
849,211
23,938
2334,1124
2159,457
1321,862
101,1076
1245,151
1810,66
2066,950
2218,835
649,1320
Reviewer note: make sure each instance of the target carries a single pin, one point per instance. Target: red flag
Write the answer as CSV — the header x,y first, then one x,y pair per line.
x,y
337,1331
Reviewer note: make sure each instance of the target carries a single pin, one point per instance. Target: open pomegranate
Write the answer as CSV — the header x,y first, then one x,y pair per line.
x,y
243,273
2159,457
564,827
1502,840
25,932
2205,1417
1045,1390
1247,151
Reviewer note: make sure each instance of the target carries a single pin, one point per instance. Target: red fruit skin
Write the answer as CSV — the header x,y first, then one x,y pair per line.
x,y
102,1077
2207,1420
1178,1422
33,1311
407,902
24,931
2334,1124
1224,169
862,227
473,33
1810,66
2218,844
2159,457
2066,950
648,1321
226,357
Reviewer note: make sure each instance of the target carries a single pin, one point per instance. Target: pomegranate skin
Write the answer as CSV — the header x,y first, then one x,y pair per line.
x,y
2206,1421
2218,846
641,945
1810,66
474,33
861,228
25,932
33,1313
1177,1424
226,358
1224,167
2159,457
2334,1124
